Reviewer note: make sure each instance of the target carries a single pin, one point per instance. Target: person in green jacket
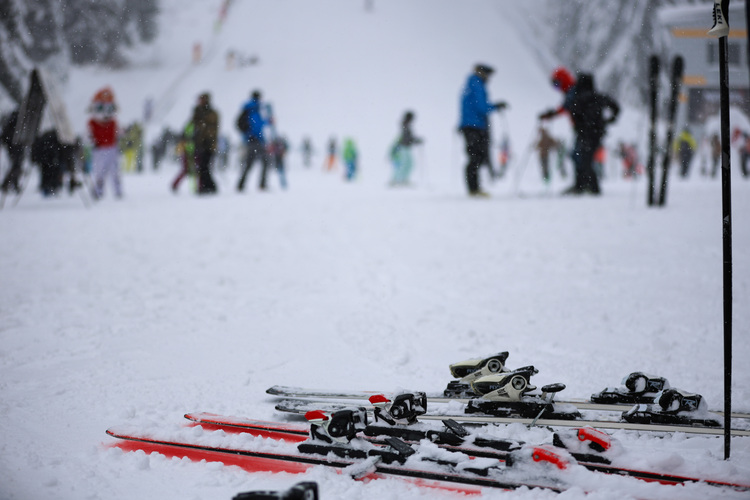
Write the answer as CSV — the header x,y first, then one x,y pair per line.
x,y
349,155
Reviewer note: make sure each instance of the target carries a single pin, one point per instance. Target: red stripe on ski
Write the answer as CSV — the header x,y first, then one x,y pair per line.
x,y
249,464
263,464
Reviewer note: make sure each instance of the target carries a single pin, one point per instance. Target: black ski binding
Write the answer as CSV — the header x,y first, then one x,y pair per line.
x,y
307,490
507,395
339,427
674,407
403,409
454,434
472,369
638,387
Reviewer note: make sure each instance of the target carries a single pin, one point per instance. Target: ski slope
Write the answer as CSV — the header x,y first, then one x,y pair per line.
x,y
138,310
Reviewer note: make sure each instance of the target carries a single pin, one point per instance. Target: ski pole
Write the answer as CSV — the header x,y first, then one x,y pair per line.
x,y
522,164
721,29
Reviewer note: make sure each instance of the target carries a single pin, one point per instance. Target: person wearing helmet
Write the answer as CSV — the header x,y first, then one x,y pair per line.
x,y
590,112
104,132
474,124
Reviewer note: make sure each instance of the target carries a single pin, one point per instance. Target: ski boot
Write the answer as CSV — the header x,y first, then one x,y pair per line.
x,y
674,407
472,369
307,490
507,395
638,388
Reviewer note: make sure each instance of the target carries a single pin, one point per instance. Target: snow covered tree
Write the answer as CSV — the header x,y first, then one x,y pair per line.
x,y
59,32
613,40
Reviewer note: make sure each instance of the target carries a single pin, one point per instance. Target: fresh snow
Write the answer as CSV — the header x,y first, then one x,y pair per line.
x,y
138,310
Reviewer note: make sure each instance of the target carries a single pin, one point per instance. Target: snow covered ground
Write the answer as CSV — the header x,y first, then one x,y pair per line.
x,y
138,310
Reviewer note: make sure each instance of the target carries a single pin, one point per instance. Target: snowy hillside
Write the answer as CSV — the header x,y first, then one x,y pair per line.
x,y
349,72
138,310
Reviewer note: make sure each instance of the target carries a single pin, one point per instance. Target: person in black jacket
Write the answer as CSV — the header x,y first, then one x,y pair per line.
x,y
591,112
45,152
15,152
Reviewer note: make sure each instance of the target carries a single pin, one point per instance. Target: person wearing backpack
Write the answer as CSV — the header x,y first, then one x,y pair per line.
x,y
590,112
251,123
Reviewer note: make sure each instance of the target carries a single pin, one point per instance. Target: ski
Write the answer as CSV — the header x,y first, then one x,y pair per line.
x,y
653,85
465,476
498,449
456,412
291,392
675,83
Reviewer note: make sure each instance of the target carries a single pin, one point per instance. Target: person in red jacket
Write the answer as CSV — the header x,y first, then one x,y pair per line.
x,y
103,132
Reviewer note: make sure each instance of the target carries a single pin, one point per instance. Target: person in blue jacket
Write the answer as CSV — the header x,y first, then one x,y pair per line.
x,y
251,123
475,126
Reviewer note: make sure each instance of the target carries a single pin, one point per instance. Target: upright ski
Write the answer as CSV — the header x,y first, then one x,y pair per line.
x,y
653,86
675,84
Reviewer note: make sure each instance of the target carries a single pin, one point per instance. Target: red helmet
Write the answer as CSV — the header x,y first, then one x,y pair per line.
x,y
104,95
562,79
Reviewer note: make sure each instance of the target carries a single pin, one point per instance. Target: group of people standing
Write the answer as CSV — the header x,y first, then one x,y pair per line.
x,y
589,110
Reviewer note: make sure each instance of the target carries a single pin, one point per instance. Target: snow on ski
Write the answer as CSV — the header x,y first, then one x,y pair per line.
x,y
299,433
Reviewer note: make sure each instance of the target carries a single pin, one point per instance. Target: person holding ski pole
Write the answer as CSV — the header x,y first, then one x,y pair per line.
x,y
586,108
474,124
251,123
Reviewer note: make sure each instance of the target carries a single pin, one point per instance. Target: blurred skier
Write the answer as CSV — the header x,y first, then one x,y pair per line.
x,y
332,150
630,162
131,146
277,150
401,156
205,138
715,154
251,123
186,152
222,152
45,152
349,155
685,146
744,148
103,131
15,153
587,110
544,145
307,151
474,124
